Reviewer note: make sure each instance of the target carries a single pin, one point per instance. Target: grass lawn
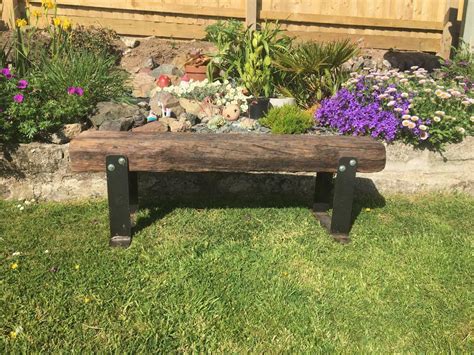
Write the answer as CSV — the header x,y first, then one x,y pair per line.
x,y
238,280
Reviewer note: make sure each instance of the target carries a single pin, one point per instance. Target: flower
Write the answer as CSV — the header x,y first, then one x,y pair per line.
x,y
460,130
14,266
406,117
422,127
424,135
439,113
22,84
472,119
66,24
79,91
6,73
17,253
47,4
86,299
36,13
21,22
76,267
56,21
73,90
18,98
436,119
414,118
391,103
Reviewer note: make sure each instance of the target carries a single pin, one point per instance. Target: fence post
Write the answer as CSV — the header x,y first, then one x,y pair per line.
x,y
251,14
10,12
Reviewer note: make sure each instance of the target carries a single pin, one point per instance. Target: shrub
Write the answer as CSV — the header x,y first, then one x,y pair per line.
x,y
461,66
224,33
288,119
313,71
410,106
97,40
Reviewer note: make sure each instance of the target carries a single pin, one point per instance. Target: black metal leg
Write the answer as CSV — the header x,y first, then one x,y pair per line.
x,y
118,189
343,198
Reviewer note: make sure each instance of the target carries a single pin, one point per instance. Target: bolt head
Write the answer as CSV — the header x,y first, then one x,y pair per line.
x,y
342,168
111,167
122,161
352,162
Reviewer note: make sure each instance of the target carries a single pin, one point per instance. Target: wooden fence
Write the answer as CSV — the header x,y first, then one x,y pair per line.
x,y
403,24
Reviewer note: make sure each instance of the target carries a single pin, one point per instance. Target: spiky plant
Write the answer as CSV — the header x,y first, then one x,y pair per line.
x,y
312,71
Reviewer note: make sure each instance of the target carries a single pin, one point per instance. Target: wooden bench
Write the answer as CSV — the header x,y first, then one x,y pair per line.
x,y
123,154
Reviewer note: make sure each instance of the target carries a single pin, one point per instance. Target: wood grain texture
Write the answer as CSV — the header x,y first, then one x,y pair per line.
x,y
224,152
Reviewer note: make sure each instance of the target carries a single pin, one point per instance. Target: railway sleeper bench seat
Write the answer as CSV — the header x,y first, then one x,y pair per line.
x,y
334,159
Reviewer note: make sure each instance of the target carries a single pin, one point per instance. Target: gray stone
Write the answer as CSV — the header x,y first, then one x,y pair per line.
x,y
111,111
166,69
122,124
248,123
139,119
149,63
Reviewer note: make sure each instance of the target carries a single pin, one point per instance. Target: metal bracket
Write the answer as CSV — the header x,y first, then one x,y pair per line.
x,y
122,194
340,223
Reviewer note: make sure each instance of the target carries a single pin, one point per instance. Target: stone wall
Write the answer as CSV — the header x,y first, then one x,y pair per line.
x,y
42,171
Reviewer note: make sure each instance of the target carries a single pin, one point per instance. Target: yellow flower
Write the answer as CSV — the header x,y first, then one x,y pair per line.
x,y
87,299
66,25
56,21
21,23
76,266
36,13
14,266
47,4
13,334
367,209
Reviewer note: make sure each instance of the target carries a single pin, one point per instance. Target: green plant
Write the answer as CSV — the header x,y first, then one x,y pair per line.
x,y
312,71
224,33
288,119
97,40
461,64
247,56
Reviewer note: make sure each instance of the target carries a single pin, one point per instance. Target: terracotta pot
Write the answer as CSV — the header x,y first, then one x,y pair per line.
x,y
196,73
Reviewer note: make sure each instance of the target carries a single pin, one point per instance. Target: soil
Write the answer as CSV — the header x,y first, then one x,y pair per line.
x,y
162,51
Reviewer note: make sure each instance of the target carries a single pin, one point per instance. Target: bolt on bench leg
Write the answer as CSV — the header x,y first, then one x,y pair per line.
x,y
339,224
118,190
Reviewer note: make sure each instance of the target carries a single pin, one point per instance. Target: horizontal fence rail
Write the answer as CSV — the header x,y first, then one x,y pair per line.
x,y
402,24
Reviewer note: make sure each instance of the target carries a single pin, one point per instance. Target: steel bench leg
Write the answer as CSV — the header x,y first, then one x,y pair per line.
x,y
119,195
339,224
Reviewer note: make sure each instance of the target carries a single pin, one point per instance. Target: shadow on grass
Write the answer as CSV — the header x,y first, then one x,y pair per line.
x,y
237,190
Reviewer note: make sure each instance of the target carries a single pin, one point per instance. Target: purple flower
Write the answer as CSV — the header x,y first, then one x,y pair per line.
x,y
18,98
22,84
72,90
79,91
6,73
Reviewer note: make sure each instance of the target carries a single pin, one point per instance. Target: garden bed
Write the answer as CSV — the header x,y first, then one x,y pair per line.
x,y
42,171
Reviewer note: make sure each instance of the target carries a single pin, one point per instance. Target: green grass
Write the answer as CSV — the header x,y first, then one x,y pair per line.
x,y
238,280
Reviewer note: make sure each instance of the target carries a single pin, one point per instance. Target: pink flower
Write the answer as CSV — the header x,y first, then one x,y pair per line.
x,y
79,91
18,98
6,73
22,84
71,90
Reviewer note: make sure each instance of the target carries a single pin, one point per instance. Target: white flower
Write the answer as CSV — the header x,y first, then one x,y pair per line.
x,y
466,102
459,77
405,123
22,208
414,67
17,253
436,119
391,103
422,81
460,130
406,117
427,90
404,80
375,87
440,113
390,90
422,127
424,135
404,95
398,109
411,125
472,119
382,96
46,251
414,118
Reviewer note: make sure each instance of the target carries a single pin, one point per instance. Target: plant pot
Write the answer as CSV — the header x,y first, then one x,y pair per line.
x,y
258,108
197,73
282,101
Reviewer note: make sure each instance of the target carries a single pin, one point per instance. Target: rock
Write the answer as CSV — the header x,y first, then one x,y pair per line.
x,y
248,123
139,119
143,104
180,126
166,69
188,117
66,133
143,84
149,63
122,124
157,127
180,60
168,120
111,111
130,42
168,100
208,111
190,106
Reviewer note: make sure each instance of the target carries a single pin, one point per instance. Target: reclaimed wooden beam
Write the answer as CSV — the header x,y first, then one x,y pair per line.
x,y
199,152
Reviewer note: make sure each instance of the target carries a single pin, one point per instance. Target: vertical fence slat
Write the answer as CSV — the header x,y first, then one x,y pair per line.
x,y
251,13
9,12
